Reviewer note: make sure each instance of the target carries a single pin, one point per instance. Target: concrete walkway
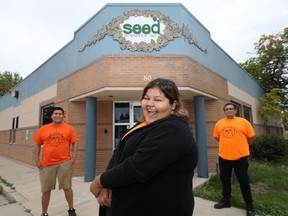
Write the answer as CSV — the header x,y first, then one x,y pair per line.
x,y
27,195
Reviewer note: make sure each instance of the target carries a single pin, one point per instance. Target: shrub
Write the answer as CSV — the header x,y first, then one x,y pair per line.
x,y
271,148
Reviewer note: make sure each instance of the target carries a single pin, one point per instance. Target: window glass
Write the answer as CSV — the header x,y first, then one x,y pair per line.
x,y
126,115
122,113
238,109
119,132
247,113
46,114
137,113
17,122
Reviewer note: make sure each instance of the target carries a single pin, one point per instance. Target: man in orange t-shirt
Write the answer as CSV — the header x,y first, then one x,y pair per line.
x,y
234,135
58,140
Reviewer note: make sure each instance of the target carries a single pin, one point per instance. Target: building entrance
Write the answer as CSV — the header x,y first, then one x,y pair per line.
x,y
126,115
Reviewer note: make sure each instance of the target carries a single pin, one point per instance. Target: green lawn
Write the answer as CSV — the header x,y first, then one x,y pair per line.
x,y
269,185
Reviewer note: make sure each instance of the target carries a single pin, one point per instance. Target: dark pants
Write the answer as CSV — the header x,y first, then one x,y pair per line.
x,y
241,171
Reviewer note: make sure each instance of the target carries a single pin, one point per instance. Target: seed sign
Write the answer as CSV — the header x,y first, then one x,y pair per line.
x,y
142,29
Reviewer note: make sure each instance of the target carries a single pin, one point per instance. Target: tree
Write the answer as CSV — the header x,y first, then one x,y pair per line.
x,y
8,80
270,69
270,107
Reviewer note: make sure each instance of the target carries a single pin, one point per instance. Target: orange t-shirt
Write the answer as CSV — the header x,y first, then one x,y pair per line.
x,y
233,137
56,142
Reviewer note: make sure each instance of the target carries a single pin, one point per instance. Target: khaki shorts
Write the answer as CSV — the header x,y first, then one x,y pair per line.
x,y
62,171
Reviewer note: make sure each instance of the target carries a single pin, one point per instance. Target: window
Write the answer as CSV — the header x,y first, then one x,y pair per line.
x,y
238,109
122,113
247,113
126,115
12,133
17,122
46,114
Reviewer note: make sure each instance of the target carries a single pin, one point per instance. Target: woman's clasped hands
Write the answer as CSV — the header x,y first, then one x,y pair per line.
x,y
103,195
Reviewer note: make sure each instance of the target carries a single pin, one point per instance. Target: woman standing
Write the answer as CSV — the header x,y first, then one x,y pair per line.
x,y
152,168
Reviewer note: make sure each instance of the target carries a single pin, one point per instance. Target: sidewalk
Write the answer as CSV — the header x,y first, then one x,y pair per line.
x,y
27,193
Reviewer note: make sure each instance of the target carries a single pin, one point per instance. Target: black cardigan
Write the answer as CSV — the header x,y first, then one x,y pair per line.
x,y
151,171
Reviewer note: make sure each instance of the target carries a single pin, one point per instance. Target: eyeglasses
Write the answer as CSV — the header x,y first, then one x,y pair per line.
x,y
226,109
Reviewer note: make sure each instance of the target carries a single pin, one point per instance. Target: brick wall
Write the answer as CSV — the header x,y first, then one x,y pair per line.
x,y
22,148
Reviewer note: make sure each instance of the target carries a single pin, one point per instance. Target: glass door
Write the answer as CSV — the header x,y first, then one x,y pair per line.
x,y
126,115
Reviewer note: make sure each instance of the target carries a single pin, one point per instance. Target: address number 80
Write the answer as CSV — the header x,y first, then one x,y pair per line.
x,y
147,78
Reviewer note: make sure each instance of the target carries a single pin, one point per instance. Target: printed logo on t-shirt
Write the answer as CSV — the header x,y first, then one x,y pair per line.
x,y
229,131
55,139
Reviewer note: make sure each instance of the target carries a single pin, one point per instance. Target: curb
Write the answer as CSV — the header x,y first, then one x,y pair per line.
x,y
13,196
7,191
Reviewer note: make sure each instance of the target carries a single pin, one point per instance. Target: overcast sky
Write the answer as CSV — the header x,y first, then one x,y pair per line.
x,y
33,30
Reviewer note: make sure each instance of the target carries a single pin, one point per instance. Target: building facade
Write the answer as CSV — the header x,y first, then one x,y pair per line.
x,y
99,75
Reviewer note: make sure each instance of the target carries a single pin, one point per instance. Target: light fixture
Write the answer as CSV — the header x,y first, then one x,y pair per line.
x,y
15,94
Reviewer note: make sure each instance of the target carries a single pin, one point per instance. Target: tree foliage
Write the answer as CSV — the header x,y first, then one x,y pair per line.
x,y
270,69
271,109
8,80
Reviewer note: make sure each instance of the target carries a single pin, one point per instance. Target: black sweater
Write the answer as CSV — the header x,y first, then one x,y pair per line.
x,y
151,170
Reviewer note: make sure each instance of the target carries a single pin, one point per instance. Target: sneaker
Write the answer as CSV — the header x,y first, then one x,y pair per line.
x,y
250,212
72,212
224,203
44,214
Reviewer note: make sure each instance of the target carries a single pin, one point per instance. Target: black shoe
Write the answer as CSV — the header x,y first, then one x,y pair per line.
x,y
250,212
72,212
224,203
44,214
